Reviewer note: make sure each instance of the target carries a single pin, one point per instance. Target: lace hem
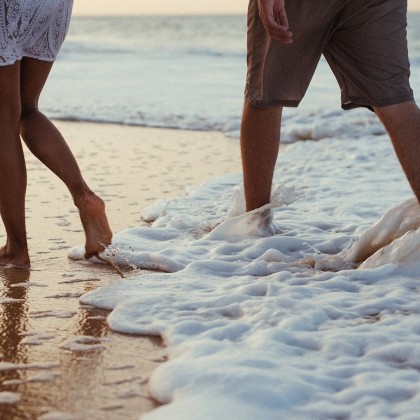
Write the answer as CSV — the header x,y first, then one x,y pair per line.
x,y
32,28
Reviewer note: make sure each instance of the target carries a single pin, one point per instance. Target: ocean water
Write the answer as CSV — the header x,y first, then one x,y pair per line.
x,y
307,308
178,72
181,72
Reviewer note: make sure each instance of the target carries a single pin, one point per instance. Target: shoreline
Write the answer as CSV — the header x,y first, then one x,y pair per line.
x,y
58,356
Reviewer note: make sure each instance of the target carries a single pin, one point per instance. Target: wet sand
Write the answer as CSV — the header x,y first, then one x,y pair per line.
x,y
58,359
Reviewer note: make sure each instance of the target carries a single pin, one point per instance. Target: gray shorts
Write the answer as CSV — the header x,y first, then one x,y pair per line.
x,y
364,42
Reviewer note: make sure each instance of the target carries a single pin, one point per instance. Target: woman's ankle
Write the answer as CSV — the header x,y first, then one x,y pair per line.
x,y
15,256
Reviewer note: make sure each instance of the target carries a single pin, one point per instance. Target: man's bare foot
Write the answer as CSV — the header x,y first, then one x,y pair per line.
x,y
17,260
95,224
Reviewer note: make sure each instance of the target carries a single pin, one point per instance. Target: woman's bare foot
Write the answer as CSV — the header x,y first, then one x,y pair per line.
x,y
13,259
95,223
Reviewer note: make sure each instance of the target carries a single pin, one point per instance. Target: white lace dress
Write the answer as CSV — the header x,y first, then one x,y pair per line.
x,y
32,28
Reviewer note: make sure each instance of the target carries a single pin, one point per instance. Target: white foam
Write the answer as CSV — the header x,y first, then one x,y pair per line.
x,y
308,308
43,377
57,313
9,398
36,338
6,366
84,343
7,301
28,284
57,415
392,225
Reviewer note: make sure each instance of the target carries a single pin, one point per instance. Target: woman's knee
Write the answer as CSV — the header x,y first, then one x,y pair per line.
x,y
10,105
28,110
10,114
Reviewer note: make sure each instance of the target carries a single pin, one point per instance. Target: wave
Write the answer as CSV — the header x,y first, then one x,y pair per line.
x,y
185,73
310,126
98,50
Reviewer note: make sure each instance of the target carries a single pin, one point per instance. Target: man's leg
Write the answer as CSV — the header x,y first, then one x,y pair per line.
x,y
402,122
12,171
260,140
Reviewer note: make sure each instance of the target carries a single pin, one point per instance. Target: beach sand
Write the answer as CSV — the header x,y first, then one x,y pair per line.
x,y
57,356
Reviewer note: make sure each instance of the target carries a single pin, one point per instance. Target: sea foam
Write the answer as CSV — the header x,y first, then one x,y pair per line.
x,y
308,308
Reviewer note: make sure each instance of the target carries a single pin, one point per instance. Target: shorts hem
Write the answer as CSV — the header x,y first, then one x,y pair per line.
x,y
272,103
360,102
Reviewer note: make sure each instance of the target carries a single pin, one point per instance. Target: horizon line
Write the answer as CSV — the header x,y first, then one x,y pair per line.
x,y
75,14
160,14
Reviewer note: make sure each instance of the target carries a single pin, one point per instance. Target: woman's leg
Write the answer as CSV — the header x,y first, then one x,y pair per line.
x,y
12,171
48,145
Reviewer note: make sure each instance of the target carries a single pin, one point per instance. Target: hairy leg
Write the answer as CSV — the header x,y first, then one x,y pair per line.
x,y
48,145
402,122
12,171
260,141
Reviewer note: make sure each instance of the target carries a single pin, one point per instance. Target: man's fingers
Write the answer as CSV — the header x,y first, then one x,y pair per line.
x,y
279,33
277,27
282,18
283,38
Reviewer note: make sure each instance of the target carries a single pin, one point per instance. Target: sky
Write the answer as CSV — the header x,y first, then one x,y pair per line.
x,y
170,7
162,7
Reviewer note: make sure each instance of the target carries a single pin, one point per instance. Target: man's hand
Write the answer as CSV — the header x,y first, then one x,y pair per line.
x,y
274,18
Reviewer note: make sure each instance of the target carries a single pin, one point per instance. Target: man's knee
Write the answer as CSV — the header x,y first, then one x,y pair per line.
x,y
398,111
272,113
